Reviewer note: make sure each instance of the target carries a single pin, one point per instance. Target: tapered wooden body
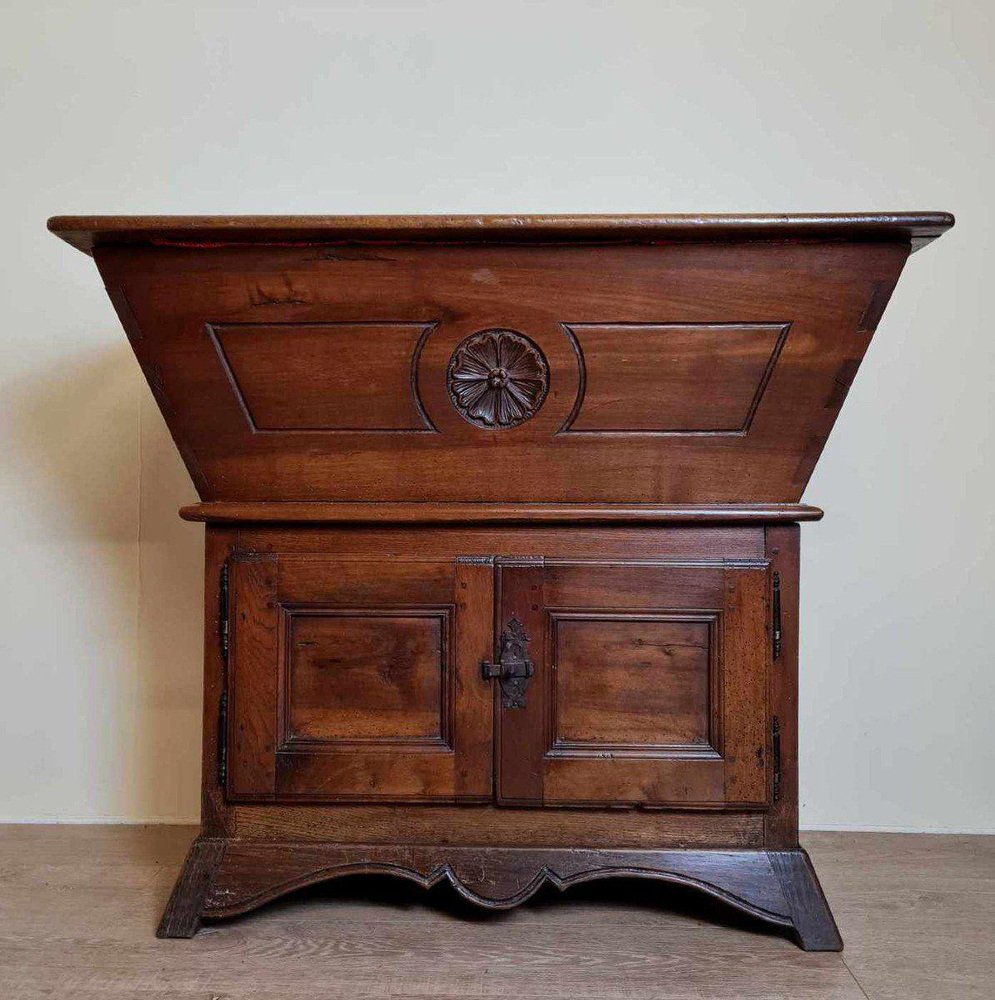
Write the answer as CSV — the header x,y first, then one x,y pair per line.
x,y
502,544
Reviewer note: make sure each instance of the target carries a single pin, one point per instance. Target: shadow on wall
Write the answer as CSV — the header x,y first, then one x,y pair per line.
x,y
73,430
170,629
116,675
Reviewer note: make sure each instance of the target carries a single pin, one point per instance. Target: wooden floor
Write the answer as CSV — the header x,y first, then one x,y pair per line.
x,y
79,905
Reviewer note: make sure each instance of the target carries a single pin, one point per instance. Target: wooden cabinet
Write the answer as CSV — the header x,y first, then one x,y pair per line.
x,y
502,538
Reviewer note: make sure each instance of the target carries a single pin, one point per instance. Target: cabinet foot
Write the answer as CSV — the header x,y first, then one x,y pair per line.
x,y
181,918
811,918
225,878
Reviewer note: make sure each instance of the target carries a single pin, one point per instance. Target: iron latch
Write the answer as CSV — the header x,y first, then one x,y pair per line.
x,y
513,668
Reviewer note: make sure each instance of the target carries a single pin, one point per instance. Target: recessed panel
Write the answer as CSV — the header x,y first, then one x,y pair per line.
x,y
377,677
325,376
669,378
631,681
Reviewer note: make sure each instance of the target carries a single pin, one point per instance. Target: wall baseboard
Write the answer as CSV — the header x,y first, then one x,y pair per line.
x,y
848,828
100,821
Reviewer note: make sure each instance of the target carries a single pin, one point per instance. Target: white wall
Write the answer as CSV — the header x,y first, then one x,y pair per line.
x,y
491,107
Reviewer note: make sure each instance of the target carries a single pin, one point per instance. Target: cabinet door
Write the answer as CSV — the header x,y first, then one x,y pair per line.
x,y
649,684
359,680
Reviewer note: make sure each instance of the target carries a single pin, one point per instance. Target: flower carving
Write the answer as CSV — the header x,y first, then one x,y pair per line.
x,y
497,378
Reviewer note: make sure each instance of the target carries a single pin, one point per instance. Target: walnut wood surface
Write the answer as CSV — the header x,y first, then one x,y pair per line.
x,y
705,373
86,232
500,878
810,915
491,513
611,599
370,677
347,684
781,820
489,825
322,565
181,918
555,541
780,888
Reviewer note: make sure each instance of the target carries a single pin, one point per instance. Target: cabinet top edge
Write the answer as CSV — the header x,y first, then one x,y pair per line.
x,y
86,232
385,512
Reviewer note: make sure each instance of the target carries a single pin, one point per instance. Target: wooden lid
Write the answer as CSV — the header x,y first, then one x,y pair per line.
x,y
88,231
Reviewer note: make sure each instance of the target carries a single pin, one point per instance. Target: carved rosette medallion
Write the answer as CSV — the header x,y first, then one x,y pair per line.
x,y
497,378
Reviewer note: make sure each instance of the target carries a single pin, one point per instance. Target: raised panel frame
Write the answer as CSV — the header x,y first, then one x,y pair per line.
x,y
749,404
289,741
220,335
557,747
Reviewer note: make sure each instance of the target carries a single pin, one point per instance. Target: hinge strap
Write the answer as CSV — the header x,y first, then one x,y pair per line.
x,y
222,739
224,641
223,636
776,614
775,750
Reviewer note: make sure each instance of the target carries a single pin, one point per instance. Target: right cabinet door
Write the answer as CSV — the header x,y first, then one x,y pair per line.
x,y
649,684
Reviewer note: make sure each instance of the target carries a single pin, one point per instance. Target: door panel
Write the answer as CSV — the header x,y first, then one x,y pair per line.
x,y
344,679
631,680
649,685
369,676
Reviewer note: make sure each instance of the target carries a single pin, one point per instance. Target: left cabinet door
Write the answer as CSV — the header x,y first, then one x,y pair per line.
x,y
359,679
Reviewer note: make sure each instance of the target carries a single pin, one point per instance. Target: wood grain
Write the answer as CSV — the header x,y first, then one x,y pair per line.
x,y
357,694
362,676
727,697
712,383
181,918
250,875
813,922
485,824
521,732
559,541
489,513
253,687
325,376
756,441
630,682
781,820
85,232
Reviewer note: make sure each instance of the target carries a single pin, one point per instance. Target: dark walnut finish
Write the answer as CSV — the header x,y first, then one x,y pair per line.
x,y
502,538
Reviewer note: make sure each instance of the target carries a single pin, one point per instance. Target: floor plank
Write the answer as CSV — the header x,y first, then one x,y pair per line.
x,y
79,906
917,913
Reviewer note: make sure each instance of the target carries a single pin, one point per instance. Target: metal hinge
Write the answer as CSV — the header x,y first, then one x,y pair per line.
x,y
223,739
776,612
223,638
775,752
223,612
